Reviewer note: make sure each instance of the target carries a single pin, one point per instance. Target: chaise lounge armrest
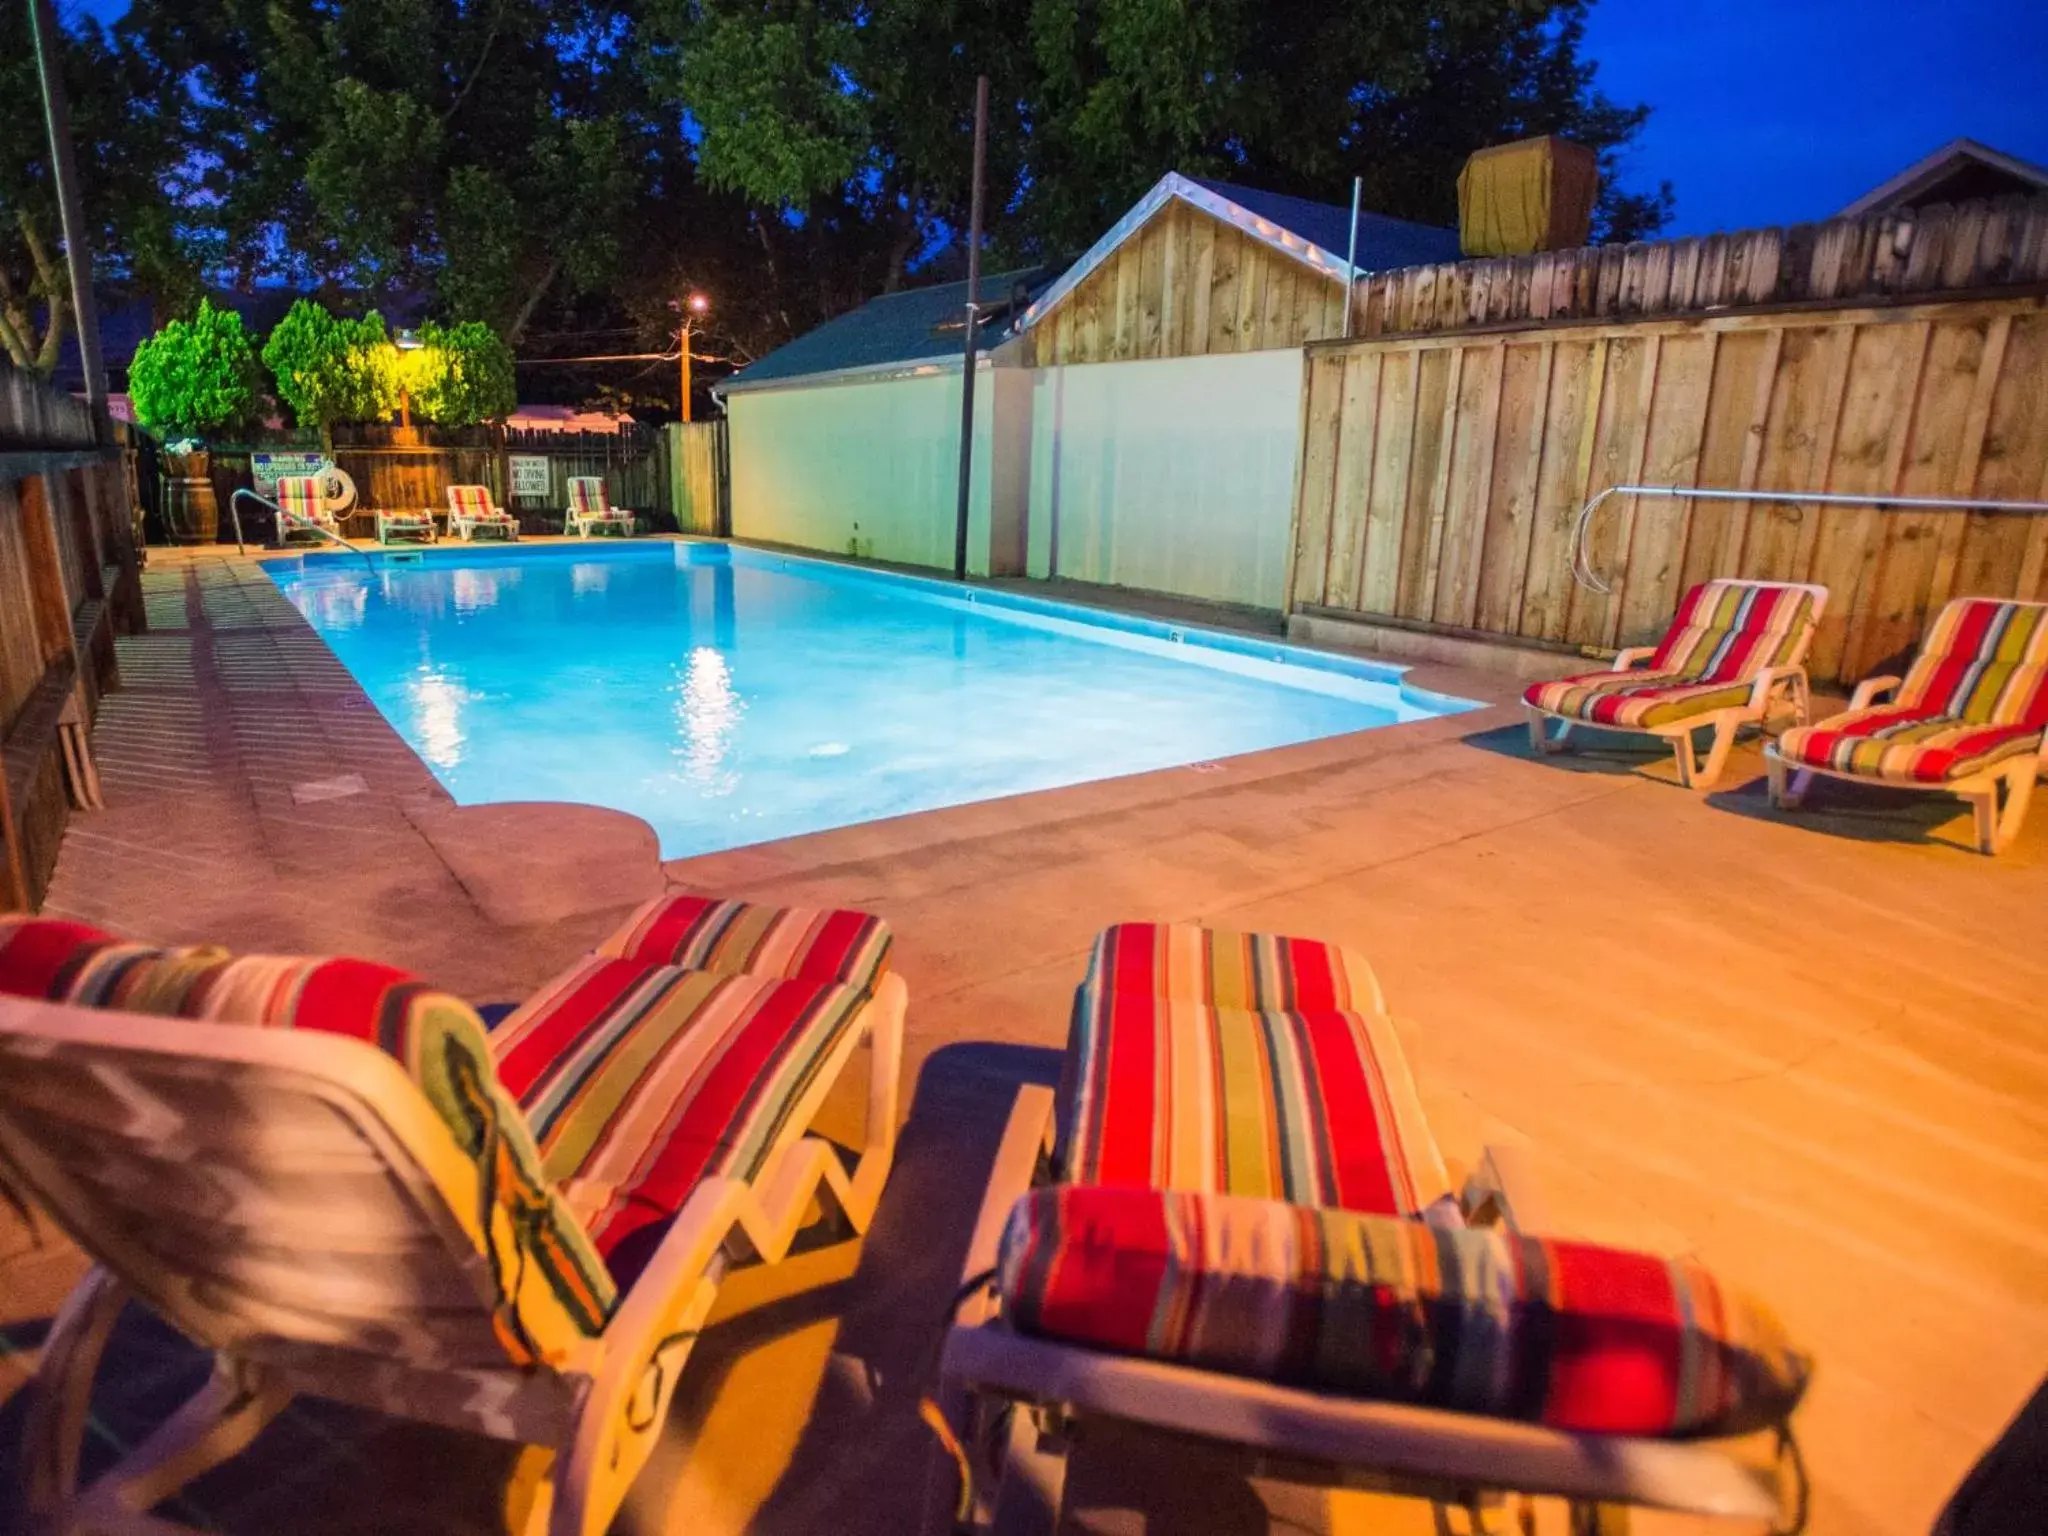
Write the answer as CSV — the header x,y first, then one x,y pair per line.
x,y
1872,689
1634,655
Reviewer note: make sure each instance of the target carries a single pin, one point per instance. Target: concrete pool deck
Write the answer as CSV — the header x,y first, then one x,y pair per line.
x,y
1812,1052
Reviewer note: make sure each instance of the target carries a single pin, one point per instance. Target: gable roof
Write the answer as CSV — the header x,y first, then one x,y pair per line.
x,y
1314,234
1977,169
917,325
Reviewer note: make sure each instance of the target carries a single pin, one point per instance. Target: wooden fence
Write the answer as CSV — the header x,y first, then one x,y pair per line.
x,y
700,473
1441,476
67,582
393,468
1943,250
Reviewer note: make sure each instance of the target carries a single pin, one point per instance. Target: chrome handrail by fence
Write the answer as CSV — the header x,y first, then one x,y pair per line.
x,y
235,513
1582,556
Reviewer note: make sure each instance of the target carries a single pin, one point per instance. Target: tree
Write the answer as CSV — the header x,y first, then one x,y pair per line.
x,y
480,153
129,179
195,377
329,369
461,376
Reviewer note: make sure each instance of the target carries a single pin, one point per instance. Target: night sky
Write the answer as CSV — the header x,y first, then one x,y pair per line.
x,y
1779,111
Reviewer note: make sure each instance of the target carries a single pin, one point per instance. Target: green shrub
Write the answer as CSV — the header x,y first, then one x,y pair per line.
x,y
332,370
196,377
460,376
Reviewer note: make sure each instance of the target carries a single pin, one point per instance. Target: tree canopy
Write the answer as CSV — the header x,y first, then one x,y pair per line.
x,y
563,171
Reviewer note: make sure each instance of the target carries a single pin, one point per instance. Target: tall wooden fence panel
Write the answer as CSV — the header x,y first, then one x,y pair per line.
x,y
67,581
696,453
1442,476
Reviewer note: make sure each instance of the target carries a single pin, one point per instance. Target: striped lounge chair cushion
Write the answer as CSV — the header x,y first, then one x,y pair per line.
x,y
1475,1320
587,497
1313,1105
1232,970
1724,634
739,938
1976,696
642,1080
554,1288
473,503
300,496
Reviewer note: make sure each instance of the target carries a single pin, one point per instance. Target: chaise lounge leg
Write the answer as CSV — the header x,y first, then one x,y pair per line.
x,y
1540,739
1717,756
1997,827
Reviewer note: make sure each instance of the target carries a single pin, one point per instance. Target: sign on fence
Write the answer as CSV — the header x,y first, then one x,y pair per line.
x,y
265,468
530,476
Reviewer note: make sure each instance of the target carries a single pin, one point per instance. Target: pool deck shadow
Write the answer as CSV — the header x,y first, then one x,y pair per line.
x,y
1815,1059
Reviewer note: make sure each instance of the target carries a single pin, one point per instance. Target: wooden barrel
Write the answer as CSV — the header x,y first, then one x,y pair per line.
x,y
191,515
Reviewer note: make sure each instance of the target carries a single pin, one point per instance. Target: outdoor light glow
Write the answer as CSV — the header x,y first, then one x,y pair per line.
x,y
407,341
699,303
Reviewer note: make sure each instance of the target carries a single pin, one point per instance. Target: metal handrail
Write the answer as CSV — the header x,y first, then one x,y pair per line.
x,y
1582,556
235,512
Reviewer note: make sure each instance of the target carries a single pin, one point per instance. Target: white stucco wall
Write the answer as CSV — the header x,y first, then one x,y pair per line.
x,y
1174,475
819,466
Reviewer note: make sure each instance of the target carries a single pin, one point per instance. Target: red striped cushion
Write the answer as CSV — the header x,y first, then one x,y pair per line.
x,y
1985,662
740,938
438,1039
1728,631
1314,1106
1635,699
1476,1320
1232,970
1906,745
642,1080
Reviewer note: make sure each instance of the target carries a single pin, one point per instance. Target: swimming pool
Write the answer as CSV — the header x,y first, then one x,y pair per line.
x,y
730,695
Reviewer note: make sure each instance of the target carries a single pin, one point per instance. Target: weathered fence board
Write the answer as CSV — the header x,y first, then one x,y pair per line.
x,y
67,580
1442,474
1941,249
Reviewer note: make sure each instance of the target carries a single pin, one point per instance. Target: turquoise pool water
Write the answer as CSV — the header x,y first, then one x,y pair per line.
x,y
731,696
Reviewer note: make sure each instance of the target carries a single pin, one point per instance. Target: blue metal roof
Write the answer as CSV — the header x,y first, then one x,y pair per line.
x,y
915,325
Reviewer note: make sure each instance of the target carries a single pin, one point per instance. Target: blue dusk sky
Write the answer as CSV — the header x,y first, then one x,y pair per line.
x,y
1779,111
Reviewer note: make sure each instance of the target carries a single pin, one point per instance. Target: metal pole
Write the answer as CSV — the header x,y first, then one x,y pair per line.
x,y
1582,555
64,171
1351,255
973,321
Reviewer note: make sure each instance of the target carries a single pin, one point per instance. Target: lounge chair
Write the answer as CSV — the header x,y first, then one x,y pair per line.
x,y
472,512
373,1200
590,511
302,506
414,527
1241,1239
1969,719
1735,650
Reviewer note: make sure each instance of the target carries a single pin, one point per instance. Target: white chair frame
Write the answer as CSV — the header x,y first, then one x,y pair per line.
x,y
1788,680
1998,796
594,1417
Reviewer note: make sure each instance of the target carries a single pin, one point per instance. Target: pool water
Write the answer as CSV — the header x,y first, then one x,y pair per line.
x,y
731,696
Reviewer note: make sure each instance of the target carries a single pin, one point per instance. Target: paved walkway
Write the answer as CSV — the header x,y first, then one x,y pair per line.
x,y
1813,1052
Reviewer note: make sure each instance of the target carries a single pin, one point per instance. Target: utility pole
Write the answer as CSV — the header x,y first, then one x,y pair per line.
x,y
695,305
973,321
64,171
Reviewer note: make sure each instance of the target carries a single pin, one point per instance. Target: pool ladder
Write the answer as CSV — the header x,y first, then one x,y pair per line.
x,y
283,517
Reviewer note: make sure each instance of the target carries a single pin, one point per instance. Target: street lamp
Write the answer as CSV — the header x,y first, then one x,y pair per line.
x,y
693,308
